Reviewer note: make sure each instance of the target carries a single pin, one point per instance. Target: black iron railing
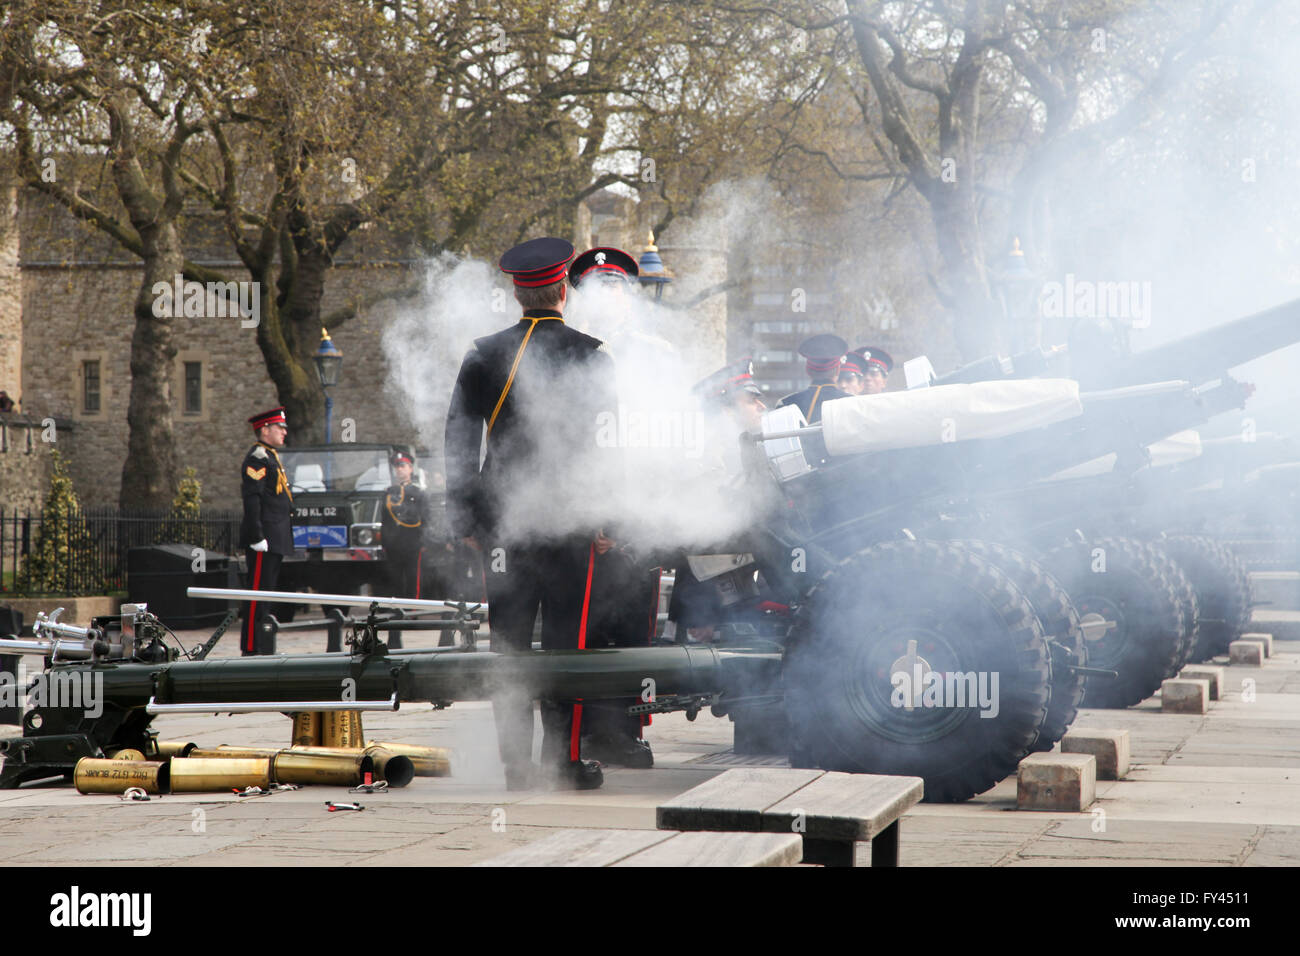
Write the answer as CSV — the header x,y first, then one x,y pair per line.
x,y
86,552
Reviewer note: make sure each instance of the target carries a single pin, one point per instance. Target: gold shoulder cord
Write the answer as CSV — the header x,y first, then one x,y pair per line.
x,y
813,404
281,480
510,380
388,503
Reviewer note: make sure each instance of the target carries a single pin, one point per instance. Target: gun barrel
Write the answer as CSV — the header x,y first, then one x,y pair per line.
x,y
288,683
343,600
1203,355
46,648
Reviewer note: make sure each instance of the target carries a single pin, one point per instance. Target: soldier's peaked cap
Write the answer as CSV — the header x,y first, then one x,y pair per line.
x,y
872,355
538,262
269,417
729,380
823,352
603,262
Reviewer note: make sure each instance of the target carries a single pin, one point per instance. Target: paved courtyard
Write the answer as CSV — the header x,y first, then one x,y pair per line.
x,y
1216,790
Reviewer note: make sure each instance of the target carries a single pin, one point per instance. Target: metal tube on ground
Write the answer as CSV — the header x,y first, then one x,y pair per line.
x,y
306,729
396,769
175,748
97,775
428,761
200,775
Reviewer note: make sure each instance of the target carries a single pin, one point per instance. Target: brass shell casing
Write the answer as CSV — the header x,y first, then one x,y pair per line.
x,y
306,729
206,775
97,775
129,753
175,748
339,765
342,728
302,767
428,761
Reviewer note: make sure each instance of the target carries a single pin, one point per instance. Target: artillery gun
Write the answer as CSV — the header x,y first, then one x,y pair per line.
x,y
872,623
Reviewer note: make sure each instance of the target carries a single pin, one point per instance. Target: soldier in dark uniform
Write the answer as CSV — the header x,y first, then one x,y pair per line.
x,y
625,580
876,365
536,388
824,355
404,523
265,533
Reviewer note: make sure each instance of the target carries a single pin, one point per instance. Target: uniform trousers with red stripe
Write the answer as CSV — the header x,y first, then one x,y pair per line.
x,y
624,613
553,578
263,572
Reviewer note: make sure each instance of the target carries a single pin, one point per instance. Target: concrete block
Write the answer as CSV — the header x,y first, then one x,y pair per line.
x,y
1061,782
1283,625
1250,653
1110,748
1280,590
1184,696
1260,638
1215,675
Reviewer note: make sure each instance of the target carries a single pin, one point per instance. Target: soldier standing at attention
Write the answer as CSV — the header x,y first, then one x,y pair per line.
x,y
403,525
536,389
265,533
824,355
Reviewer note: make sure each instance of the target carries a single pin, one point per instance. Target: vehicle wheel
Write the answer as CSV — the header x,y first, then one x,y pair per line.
x,y
1187,600
1130,614
1222,585
880,618
1060,624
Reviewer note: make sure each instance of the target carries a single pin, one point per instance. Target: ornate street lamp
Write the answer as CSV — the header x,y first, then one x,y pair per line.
x,y
329,361
651,269
1017,288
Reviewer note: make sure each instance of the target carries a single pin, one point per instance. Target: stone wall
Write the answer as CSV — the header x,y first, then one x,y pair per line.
x,y
72,315
26,460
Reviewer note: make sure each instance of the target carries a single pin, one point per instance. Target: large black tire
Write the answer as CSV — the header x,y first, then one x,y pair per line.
x,y
851,638
1060,623
1222,585
1131,589
1187,600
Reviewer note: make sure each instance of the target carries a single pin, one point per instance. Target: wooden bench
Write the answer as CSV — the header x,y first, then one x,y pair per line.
x,y
831,811
654,848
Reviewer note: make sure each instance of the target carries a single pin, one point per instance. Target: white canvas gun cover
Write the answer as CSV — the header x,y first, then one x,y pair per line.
x,y
944,413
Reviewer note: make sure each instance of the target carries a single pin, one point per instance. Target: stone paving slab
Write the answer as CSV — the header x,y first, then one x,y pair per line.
x,y
1211,790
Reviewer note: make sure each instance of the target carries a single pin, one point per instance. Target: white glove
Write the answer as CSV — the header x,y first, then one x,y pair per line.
x,y
260,546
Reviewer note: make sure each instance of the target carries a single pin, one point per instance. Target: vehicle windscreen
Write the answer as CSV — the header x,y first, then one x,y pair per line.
x,y
343,470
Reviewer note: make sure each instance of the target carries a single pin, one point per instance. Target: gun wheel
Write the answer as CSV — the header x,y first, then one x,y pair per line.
x,y
1130,612
1222,585
918,658
1060,623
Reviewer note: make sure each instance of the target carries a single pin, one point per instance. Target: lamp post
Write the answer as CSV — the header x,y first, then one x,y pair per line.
x,y
1017,288
651,270
329,361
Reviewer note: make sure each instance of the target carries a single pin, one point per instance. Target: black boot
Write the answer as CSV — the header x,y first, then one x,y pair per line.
x,y
578,775
619,750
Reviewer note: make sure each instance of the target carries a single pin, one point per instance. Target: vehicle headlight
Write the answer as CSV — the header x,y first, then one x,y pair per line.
x,y
365,537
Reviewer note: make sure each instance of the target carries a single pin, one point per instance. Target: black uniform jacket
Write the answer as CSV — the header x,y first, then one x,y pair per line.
x,y
403,518
547,420
267,501
812,397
